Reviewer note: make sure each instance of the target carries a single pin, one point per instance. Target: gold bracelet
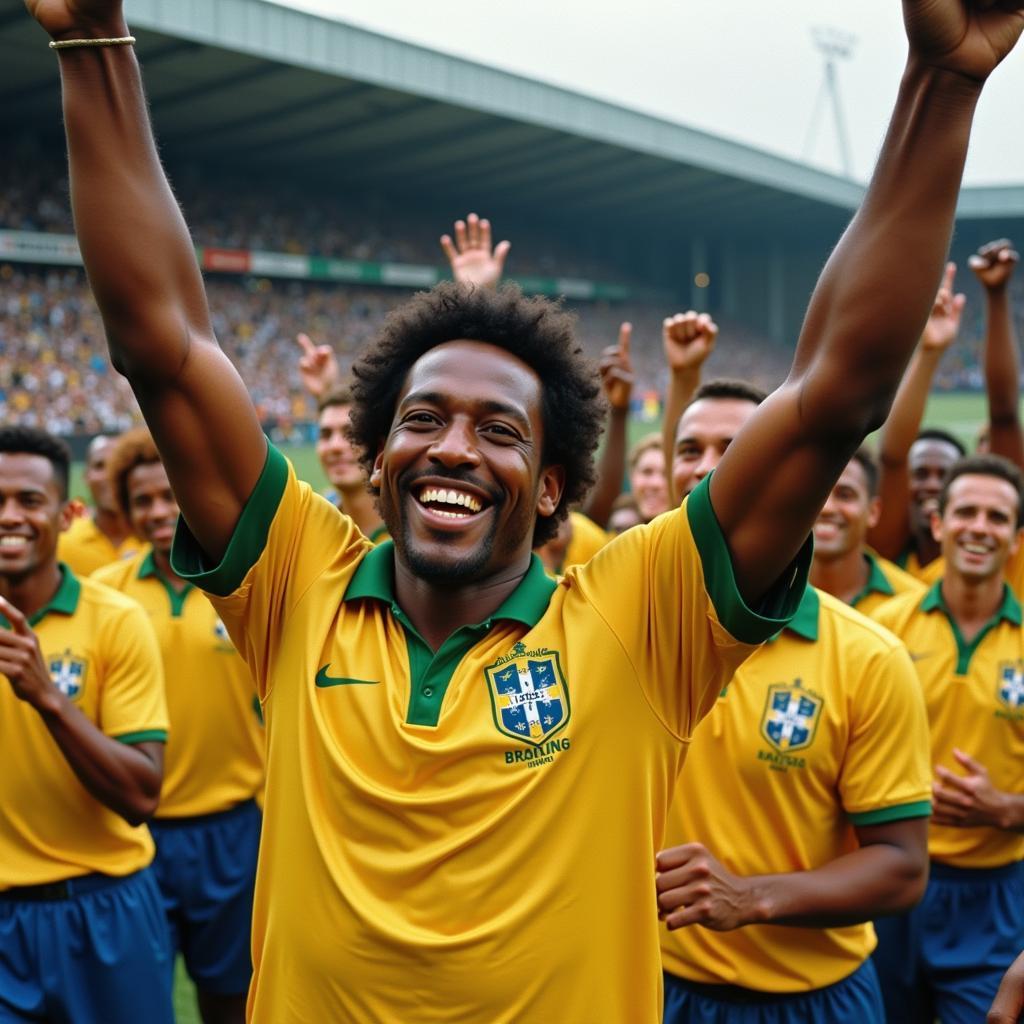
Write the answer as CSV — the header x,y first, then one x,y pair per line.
x,y
70,44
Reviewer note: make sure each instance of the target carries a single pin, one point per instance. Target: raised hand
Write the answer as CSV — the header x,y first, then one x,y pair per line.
x,y
994,263
473,260
689,338
617,371
944,321
78,17
318,366
968,37
22,661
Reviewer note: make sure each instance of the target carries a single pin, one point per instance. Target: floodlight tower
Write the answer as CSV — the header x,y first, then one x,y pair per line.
x,y
835,45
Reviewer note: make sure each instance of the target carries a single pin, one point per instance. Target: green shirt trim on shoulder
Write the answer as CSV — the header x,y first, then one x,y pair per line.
x,y
1009,610
776,608
804,623
430,672
64,601
900,812
377,534
878,582
144,736
247,542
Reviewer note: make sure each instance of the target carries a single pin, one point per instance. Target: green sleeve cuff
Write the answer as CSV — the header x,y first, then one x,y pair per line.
x,y
776,608
918,809
146,736
247,542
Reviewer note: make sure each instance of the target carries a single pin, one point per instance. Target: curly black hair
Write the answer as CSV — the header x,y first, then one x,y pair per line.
x,y
535,330
34,441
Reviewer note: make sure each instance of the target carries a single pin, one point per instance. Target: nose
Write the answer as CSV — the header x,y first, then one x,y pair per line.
x,y
455,445
708,461
162,508
11,513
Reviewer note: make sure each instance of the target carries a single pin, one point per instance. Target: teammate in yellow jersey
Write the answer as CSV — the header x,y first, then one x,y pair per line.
x,y
966,638
842,565
207,829
805,795
462,752
82,731
100,536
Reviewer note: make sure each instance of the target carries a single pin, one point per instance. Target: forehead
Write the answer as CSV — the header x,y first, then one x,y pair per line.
x,y
982,489
99,449
23,471
335,416
853,476
711,419
147,476
650,459
932,452
475,372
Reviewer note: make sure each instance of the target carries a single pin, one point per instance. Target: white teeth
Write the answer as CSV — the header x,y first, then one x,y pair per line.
x,y
11,541
447,497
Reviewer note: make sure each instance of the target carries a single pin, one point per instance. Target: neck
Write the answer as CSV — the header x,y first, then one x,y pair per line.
x,y
926,547
359,505
163,563
843,577
30,593
438,611
972,603
112,526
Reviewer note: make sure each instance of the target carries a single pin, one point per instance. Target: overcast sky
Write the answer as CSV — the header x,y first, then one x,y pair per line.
x,y
745,69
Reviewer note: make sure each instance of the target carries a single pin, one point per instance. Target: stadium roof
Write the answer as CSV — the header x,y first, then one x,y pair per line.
x,y
249,83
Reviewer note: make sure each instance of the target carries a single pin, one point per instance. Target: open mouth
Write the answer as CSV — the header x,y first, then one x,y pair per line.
x,y
12,543
450,502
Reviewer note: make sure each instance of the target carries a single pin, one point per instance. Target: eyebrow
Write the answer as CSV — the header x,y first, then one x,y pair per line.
x,y
492,405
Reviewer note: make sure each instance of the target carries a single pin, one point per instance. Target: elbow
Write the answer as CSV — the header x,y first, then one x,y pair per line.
x,y
911,882
139,810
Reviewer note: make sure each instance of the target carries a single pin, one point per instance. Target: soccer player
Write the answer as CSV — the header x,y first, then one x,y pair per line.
x,y
82,730
101,536
965,635
803,802
843,566
207,829
461,752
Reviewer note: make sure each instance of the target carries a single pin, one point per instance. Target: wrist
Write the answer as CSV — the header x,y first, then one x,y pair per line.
x,y
619,412
49,703
758,905
1010,817
957,86
115,27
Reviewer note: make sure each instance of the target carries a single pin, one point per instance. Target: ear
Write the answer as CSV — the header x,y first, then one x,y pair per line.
x,y
1015,543
552,484
375,473
69,512
937,527
874,512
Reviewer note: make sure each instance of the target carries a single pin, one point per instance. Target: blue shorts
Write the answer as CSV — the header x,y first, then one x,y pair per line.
x,y
92,950
946,957
206,868
854,1000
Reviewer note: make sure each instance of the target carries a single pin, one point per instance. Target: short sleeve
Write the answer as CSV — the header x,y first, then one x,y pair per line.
x,y
286,537
886,774
133,707
668,592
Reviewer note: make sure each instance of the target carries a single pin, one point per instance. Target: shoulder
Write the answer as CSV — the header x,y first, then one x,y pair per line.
x,y
900,610
101,598
853,631
899,579
117,574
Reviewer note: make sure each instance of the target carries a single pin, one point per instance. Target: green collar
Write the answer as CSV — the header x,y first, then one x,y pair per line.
x,y
1009,609
64,601
804,623
377,534
148,569
878,582
374,578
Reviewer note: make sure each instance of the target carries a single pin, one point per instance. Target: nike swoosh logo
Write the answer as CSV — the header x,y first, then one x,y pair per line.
x,y
915,656
323,679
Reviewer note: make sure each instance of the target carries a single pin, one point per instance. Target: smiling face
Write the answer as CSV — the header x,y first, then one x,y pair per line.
x,y
96,476
648,484
927,464
705,431
33,512
337,456
460,476
978,528
152,510
848,514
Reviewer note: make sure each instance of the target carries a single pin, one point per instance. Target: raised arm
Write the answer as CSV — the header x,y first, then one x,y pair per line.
x,y
892,532
474,261
872,300
318,367
143,272
994,264
617,383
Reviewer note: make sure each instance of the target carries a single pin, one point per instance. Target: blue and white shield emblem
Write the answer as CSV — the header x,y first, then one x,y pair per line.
x,y
528,695
68,674
1011,684
791,716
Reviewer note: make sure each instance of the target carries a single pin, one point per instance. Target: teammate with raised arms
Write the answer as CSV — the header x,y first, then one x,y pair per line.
x,y
437,709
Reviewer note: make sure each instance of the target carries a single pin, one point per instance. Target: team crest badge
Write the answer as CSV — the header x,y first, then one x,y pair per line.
x,y
1011,684
68,674
528,695
791,716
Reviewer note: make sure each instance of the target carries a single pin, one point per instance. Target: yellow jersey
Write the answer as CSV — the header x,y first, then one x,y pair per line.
x,y
84,547
587,539
440,827
102,654
821,730
927,574
885,580
974,693
215,760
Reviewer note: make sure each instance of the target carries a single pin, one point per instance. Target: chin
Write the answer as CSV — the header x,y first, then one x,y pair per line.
x,y
447,569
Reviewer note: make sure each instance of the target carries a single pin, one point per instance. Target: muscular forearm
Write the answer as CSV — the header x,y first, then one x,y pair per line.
x,y
859,886
1002,377
610,469
120,776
